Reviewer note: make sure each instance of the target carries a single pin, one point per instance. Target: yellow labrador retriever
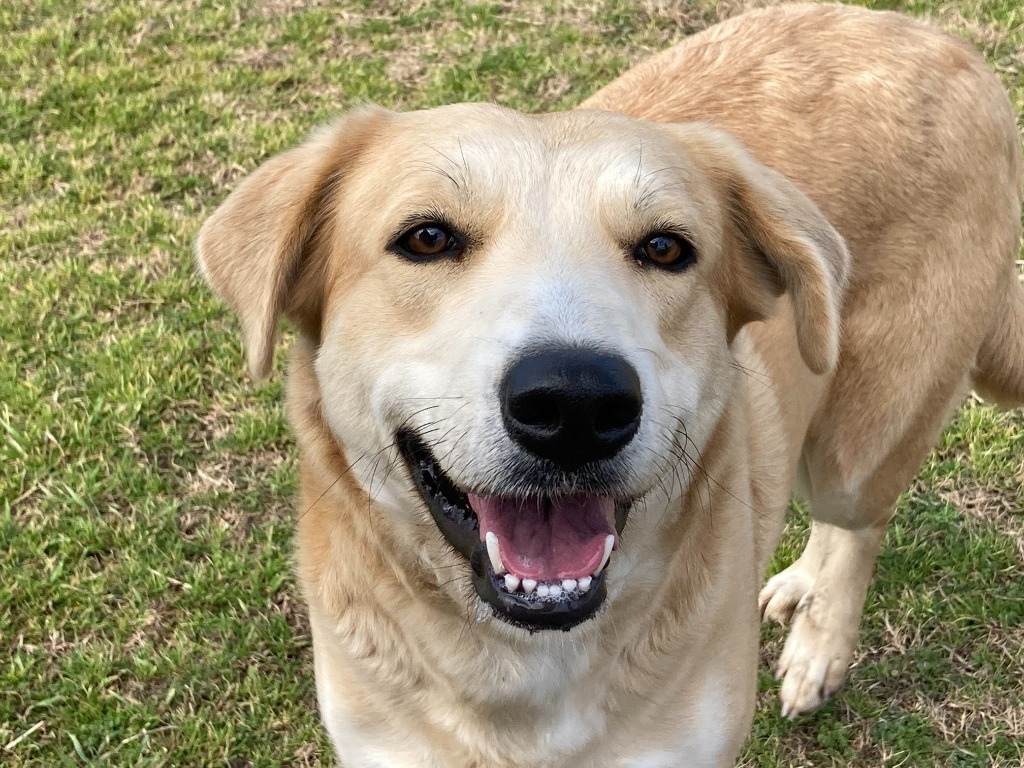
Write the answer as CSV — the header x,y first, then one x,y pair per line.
x,y
558,375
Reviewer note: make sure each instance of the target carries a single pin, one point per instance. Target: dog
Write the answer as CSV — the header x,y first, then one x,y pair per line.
x,y
557,376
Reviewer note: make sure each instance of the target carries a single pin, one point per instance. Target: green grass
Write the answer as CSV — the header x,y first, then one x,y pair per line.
x,y
148,614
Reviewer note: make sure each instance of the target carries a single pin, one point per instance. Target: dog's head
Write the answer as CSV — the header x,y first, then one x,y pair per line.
x,y
532,315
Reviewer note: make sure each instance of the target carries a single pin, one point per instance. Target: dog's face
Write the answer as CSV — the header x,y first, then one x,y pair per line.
x,y
523,325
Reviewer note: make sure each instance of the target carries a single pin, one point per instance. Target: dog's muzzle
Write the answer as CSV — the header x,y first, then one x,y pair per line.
x,y
539,560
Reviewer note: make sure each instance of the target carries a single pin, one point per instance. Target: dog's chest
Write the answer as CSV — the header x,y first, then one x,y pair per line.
x,y
571,729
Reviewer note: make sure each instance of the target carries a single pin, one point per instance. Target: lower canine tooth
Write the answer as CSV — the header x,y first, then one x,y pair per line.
x,y
529,585
609,542
491,539
511,582
569,584
585,583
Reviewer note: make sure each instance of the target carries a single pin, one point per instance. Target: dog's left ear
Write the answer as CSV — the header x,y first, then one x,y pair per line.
x,y
262,248
776,242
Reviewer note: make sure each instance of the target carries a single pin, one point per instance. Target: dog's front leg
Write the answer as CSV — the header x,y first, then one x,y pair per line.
x,y
823,592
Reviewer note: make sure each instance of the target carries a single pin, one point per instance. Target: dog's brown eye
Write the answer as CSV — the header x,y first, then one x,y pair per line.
x,y
425,241
666,251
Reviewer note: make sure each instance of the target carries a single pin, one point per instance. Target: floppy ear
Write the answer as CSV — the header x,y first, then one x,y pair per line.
x,y
260,250
777,241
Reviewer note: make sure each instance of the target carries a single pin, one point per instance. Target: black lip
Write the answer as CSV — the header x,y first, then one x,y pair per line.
x,y
448,505
457,522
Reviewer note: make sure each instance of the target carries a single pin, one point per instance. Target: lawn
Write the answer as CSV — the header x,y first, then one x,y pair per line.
x,y
148,614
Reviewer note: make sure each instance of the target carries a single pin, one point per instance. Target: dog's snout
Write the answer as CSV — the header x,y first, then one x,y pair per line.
x,y
570,405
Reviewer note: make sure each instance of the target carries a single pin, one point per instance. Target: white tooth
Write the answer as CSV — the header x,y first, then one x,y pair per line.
x,y
568,584
609,542
554,590
511,582
585,583
542,590
529,585
492,552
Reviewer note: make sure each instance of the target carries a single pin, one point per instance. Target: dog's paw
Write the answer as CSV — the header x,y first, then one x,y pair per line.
x,y
780,596
815,659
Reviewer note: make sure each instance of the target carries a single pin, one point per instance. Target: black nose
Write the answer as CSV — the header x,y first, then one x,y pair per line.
x,y
570,405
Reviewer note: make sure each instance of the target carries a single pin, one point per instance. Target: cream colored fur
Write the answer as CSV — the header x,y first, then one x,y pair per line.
x,y
852,183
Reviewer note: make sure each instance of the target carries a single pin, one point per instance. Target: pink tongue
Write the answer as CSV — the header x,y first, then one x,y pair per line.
x,y
546,538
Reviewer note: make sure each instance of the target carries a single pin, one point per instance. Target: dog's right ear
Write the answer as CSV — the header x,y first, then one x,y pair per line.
x,y
259,247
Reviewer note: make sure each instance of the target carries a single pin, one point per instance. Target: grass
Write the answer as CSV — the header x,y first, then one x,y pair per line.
x,y
148,615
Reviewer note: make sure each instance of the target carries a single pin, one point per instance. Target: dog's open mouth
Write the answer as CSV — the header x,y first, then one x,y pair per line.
x,y
538,561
